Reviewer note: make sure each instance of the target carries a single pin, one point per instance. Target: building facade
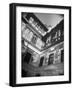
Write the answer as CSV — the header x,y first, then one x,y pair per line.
x,y
42,51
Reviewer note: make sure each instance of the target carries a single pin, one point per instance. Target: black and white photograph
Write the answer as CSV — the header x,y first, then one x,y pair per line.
x,y
40,44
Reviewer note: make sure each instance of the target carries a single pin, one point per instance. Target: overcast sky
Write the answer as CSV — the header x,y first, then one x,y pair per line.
x,y
50,19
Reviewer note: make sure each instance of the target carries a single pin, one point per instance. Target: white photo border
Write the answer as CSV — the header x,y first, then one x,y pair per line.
x,y
65,77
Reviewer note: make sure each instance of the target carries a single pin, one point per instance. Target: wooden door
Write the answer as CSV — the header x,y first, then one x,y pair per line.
x,y
27,57
51,59
62,55
41,61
